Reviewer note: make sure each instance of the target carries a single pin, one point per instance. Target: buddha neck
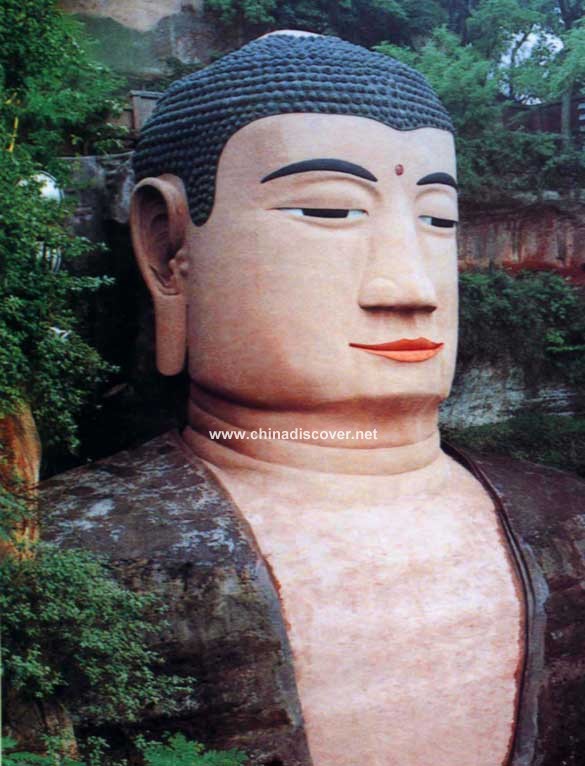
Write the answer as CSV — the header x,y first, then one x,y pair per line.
x,y
384,440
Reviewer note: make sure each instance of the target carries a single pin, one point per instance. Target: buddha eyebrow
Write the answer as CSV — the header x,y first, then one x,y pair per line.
x,y
307,166
438,178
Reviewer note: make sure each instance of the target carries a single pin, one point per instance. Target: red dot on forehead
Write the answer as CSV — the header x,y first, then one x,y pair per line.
x,y
399,170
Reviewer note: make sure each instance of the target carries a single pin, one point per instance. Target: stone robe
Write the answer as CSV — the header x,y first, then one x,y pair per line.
x,y
167,526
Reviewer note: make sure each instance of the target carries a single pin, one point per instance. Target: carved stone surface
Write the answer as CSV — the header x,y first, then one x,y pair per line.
x,y
168,528
543,512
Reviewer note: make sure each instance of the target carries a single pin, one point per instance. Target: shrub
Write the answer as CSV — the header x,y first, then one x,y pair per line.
x,y
73,633
176,750
54,98
44,359
536,320
12,755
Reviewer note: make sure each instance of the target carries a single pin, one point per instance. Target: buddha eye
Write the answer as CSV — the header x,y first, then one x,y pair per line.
x,y
324,212
441,223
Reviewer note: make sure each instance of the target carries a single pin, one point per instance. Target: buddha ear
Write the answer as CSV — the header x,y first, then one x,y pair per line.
x,y
159,217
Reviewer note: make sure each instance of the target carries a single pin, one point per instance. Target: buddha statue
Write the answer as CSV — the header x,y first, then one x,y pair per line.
x,y
345,590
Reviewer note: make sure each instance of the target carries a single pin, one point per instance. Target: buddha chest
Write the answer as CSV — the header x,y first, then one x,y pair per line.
x,y
404,618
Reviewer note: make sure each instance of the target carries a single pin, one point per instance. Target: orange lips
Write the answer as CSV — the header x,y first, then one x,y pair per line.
x,y
403,350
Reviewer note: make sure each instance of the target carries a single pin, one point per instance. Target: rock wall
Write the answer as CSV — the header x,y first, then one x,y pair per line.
x,y
531,235
138,38
141,15
491,393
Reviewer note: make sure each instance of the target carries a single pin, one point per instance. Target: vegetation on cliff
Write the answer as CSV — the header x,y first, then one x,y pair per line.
x,y
534,320
553,440
72,633
77,642
174,750
53,99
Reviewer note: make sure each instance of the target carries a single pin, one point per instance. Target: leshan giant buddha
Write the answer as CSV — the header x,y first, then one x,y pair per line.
x,y
343,600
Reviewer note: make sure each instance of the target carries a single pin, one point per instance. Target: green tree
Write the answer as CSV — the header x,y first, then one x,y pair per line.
x,y
72,633
508,56
535,320
362,21
538,44
488,153
175,750
53,95
240,12
44,359
53,98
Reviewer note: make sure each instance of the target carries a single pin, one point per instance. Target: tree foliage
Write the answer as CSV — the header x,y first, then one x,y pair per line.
x,y
363,21
554,440
174,750
177,750
72,633
13,755
53,94
44,359
53,98
535,320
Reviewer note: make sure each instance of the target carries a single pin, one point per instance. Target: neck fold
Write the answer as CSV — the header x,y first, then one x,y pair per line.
x,y
376,440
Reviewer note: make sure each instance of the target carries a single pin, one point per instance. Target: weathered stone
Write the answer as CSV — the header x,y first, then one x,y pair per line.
x,y
102,186
20,460
490,393
29,722
138,39
169,529
135,14
525,236
87,185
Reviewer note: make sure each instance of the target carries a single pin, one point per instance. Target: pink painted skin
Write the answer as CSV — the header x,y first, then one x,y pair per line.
x,y
403,350
401,606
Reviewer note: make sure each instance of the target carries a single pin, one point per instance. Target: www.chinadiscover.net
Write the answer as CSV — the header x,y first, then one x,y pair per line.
x,y
294,434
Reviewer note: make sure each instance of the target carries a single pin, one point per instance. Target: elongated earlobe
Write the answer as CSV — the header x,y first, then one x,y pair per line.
x,y
158,218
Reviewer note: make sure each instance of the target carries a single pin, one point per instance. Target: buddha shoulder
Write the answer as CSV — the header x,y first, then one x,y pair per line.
x,y
152,501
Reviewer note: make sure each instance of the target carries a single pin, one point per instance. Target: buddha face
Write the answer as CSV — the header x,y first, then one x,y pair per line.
x,y
327,270
326,231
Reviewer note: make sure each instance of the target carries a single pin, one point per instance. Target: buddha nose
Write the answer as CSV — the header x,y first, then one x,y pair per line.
x,y
395,277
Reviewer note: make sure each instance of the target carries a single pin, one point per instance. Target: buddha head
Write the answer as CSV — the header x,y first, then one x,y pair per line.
x,y
295,222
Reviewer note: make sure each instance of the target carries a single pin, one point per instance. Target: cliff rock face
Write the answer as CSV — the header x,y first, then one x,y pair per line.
x,y
490,393
547,235
138,37
20,459
141,15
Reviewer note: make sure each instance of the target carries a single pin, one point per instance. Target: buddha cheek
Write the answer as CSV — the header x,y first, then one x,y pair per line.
x,y
268,359
270,323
